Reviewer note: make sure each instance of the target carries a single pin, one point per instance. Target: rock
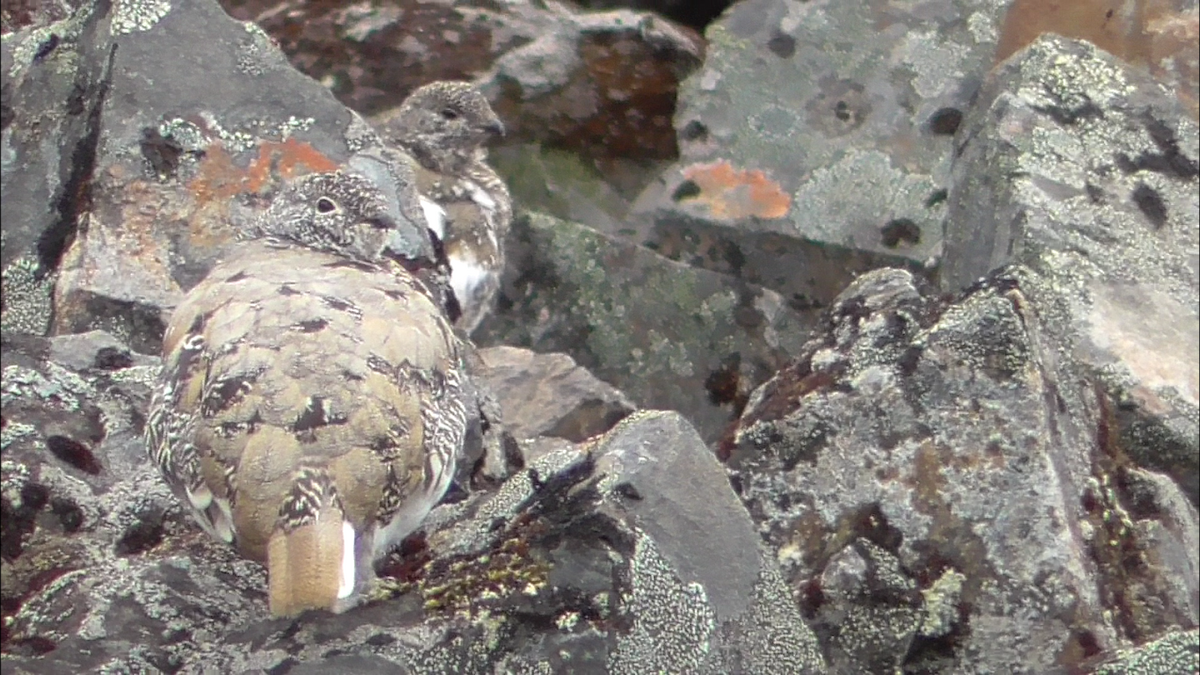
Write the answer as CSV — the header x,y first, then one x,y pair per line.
x,y
1083,170
150,185
950,494
1176,652
597,558
550,395
76,489
668,335
600,83
814,142
34,13
1157,36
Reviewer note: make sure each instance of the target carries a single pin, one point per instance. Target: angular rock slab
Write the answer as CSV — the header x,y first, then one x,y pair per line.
x,y
550,395
819,132
176,148
628,554
668,335
1087,172
949,495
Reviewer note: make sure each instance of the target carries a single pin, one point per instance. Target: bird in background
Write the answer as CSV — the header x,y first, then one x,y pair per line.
x,y
444,127
312,402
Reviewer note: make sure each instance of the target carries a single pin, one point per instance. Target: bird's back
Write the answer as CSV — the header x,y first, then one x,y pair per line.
x,y
293,380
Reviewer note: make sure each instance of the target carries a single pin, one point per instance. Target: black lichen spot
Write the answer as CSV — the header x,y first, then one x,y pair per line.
x,y
688,189
694,130
160,151
74,453
1072,115
945,121
628,491
1151,204
69,515
900,230
380,640
841,110
32,646
283,667
236,277
909,359
722,384
286,289
1168,161
312,325
46,47
782,45
142,536
1095,193
112,358
936,197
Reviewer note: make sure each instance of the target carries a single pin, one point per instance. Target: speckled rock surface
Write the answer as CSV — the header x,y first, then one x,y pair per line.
x,y
668,335
550,394
153,177
1088,173
599,83
595,559
948,494
819,132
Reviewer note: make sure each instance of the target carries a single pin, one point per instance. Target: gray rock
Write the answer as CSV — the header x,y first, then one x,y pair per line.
x,y
1085,171
940,483
148,185
54,77
668,335
814,142
550,395
596,559
1176,652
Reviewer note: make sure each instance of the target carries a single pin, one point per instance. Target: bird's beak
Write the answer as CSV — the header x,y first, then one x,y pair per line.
x,y
495,128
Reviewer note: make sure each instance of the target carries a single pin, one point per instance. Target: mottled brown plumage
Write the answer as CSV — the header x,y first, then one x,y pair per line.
x,y
311,405
443,126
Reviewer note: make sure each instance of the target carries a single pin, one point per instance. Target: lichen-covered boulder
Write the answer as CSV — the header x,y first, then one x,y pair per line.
x,y
626,554
138,159
1087,172
668,335
549,394
946,492
815,140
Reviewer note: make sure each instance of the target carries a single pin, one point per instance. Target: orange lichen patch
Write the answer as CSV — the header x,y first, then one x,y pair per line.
x,y
221,178
733,194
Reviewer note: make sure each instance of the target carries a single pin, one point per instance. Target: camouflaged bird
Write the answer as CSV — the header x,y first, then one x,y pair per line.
x,y
444,126
312,405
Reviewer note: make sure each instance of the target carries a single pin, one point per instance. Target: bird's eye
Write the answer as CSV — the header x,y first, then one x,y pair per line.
x,y
449,114
326,205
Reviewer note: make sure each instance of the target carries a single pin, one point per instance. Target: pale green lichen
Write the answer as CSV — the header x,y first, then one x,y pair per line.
x,y
131,16
28,297
15,431
941,604
672,621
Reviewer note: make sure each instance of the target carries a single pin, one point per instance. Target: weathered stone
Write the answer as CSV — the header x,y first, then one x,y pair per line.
x,y
549,395
599,83
958,440
150,185
668,335
596,559
1085,171
814,142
